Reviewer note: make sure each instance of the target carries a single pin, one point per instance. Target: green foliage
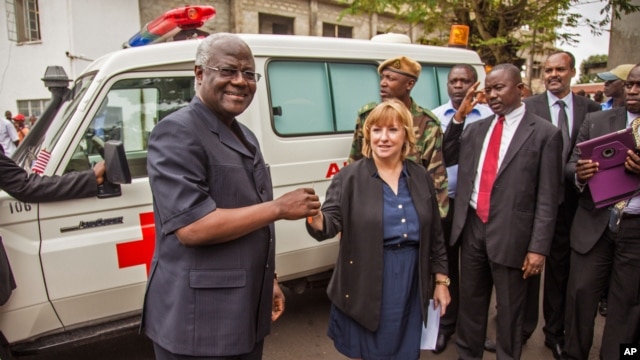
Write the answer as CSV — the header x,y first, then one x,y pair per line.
x,y
500,30
593,60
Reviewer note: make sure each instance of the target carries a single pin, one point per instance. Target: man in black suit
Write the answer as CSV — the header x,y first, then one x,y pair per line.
x,y
559,69
604,250
505,214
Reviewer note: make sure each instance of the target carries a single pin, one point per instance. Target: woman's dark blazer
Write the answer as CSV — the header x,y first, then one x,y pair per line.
x,y
353,206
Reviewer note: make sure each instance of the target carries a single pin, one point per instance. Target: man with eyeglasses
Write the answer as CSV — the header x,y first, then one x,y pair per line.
x,y
398,76
605,243
212,291
614,85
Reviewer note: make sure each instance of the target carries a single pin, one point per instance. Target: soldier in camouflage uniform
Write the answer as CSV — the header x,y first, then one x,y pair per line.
x,y
397,77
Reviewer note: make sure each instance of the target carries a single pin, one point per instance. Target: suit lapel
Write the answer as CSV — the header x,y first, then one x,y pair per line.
x,y
543,103
228,138
524,130
215,125
617,119
579,112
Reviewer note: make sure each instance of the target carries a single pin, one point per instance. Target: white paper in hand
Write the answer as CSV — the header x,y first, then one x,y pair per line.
x,y
430,332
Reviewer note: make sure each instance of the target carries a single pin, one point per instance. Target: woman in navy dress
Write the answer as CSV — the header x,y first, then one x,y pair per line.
x,y
391,246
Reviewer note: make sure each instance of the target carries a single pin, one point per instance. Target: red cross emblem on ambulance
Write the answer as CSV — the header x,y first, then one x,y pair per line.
x,y
139,252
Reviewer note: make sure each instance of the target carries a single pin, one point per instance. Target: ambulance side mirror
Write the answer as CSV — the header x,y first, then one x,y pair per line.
x,y
117,170
116,162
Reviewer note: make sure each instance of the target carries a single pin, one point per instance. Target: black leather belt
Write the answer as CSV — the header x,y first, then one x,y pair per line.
x,y
401,245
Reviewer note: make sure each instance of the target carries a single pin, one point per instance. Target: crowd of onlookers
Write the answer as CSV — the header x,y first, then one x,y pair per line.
x,y
437,208
13,130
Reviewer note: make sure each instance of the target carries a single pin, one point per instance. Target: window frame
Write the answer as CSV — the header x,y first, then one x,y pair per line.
x,y
337,30
23,21
436,72
29,107
133,156
332,110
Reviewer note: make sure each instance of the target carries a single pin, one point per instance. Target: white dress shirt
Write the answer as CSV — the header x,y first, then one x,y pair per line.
x,y
512,120
445,113
555,108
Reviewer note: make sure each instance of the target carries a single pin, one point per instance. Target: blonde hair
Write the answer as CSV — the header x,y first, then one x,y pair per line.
x,y
385,113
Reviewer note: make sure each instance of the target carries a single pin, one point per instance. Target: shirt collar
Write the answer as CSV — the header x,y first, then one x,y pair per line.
x,y
404,173
568,100
630,117
515,116
450,110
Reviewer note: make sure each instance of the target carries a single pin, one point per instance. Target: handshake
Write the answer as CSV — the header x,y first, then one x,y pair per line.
x,y
298,204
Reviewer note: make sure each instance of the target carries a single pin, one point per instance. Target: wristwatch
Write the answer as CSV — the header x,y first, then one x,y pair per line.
x,y
445,282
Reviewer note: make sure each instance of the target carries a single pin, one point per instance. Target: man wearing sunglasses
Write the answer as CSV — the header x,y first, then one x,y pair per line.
x,y
605,246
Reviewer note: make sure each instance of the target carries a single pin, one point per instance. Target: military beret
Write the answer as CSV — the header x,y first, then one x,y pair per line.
x,y
402,65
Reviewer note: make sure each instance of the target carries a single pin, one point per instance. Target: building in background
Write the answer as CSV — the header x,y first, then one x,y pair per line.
x,y
288,17
624,43
72,33
534,60
66,33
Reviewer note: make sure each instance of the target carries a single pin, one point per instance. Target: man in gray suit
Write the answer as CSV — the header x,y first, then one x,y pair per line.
x,y
509,169
212,291
559,69
605,246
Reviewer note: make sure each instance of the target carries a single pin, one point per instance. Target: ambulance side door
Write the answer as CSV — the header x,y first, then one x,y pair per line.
x,y
96,253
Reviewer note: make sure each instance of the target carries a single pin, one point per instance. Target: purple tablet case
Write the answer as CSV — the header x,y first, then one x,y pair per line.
x,y
612,183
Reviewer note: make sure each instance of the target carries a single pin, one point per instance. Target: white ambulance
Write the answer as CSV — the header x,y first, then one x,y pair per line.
x,y
81,266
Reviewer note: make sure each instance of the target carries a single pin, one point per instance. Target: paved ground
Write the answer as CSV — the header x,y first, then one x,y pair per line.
x,y
299,335
302,334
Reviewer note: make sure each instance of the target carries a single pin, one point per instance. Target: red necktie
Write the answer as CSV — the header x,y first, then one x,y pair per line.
x,y
489,171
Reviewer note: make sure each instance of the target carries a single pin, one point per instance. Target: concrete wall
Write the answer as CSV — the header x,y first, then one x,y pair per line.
x,y
242,16
624,43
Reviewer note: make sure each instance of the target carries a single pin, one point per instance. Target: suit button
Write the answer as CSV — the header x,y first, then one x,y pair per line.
x,y
350,262
346,296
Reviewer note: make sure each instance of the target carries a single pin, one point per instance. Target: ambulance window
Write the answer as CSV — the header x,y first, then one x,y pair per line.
x,y
443,75
354,85
431,89
128,113
310,98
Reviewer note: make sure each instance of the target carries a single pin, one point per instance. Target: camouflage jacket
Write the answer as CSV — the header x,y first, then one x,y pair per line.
x,y
428,148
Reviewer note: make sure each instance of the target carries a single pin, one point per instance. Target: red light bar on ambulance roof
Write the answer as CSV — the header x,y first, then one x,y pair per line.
x,y
171,23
